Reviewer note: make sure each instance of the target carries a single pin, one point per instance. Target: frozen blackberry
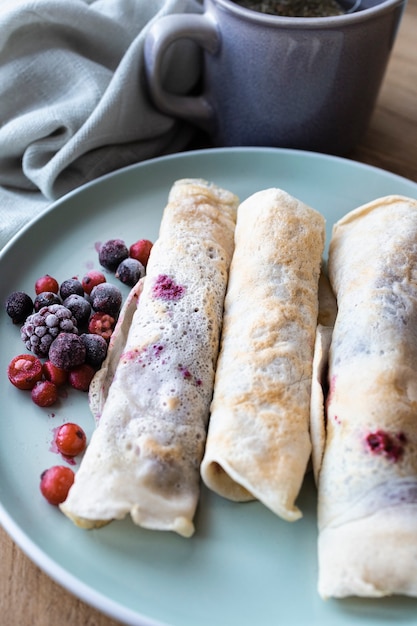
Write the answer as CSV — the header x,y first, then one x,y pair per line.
x,y
96,348
79,307
67,351
18,306
106,298
70,286
130,271
46,298
41,328
112,253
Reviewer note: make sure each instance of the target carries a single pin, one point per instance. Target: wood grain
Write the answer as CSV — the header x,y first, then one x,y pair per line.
x,y
28,597
391,141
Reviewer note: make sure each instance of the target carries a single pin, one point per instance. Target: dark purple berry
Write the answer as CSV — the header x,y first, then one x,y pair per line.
x,y
79,307
130,271
112,253
96,348
69,287
106,298
18,306
67,351
46,298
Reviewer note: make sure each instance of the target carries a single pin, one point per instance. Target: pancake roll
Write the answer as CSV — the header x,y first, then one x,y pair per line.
x,y
258,443
367,474
151,399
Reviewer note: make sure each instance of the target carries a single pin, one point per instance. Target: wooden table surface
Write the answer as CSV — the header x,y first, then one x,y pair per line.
x,y
28,597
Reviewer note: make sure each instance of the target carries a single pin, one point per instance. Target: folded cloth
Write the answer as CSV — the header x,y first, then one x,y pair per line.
x,y
74,102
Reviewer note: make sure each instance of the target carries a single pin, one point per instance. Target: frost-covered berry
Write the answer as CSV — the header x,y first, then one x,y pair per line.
x,y
55,374
67,351
102,324
91,279
106,298
80,377
96,348
46,283
130,271
140,250
46,298
40,329
79,307
44,393
18,306
70,286
112,253
24,371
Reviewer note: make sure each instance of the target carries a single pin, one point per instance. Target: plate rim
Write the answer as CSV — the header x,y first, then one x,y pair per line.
x,y
58,573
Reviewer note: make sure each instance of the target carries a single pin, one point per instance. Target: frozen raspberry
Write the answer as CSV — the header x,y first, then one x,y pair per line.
x,y
106,298
130,271
80,377
140,250
40,329
67,351
79,307
69,287
91,279
46,298
101,324
46,283
96,348
18,306
112,253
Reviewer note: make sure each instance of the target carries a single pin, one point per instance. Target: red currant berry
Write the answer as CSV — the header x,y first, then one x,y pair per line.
x,y
141,251
46,283
91,279
80,377
55,374
24,371
56,483
70,439
44,393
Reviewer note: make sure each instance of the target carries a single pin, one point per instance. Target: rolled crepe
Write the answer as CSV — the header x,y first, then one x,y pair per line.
x,y
153,400
258,443
367,491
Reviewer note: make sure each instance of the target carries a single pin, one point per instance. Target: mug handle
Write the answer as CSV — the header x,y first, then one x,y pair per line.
x,y
163,33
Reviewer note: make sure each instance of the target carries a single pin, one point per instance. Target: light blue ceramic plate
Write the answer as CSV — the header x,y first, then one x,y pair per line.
x,y
244,566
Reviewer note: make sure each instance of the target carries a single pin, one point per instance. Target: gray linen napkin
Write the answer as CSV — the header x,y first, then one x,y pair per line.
x,y
73,98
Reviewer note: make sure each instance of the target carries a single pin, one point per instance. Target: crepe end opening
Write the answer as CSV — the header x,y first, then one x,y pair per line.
x,y
218,480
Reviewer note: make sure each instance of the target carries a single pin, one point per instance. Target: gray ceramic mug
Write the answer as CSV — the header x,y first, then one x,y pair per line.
x,y
303,82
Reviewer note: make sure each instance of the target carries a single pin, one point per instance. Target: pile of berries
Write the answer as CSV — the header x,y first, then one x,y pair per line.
x,y
128,264
66,328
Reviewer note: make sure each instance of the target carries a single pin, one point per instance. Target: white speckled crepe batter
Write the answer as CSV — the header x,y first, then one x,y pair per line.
x,y
367,482
145,454
258,443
